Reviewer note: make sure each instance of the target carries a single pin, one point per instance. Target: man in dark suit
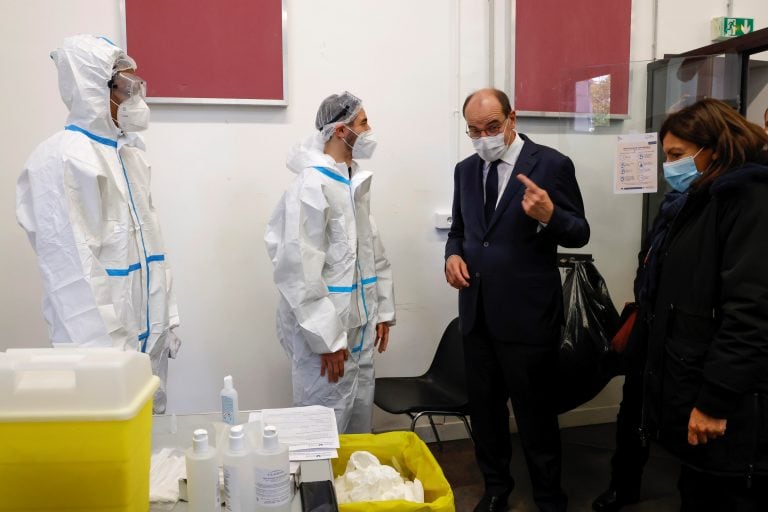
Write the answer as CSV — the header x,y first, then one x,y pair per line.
x,y
514,202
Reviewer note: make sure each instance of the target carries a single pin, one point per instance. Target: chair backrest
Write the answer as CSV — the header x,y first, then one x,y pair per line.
x,y
448,364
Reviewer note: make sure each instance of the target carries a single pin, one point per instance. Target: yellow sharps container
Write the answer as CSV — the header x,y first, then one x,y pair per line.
x,y
75,429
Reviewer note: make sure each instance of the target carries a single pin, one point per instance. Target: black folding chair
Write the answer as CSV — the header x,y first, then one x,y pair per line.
x,y
441,391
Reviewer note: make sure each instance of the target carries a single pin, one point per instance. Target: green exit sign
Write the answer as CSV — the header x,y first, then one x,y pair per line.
x,y
726,28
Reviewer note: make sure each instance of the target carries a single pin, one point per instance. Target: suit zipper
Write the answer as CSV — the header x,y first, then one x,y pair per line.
x,y
643,429
756,433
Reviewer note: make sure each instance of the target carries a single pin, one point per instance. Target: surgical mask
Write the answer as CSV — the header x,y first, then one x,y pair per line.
x,y
681,173
133,114
364,145
491,147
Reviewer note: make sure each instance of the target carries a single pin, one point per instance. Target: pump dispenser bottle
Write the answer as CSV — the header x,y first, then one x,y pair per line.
x,y
272,474
229,405
202,475
238,473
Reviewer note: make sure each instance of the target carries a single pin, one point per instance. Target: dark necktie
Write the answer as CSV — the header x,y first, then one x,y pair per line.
x,y
491,190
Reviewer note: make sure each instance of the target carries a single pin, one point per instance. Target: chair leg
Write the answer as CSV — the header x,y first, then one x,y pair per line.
x,y
434,430
469,430
414,419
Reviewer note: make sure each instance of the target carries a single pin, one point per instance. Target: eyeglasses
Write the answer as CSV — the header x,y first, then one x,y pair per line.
x,y
493,128
128,85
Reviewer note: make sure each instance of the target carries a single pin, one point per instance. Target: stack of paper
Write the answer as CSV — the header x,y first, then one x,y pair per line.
x,y
310,432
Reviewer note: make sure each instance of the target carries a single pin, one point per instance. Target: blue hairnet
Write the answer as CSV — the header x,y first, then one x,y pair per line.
x,y
336,109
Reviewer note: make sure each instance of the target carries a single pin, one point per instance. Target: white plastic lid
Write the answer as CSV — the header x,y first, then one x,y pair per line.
x,y
228,382
270,442
74,384
200,441
236,439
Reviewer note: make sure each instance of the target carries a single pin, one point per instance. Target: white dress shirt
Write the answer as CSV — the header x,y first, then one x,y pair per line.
x,y
506,166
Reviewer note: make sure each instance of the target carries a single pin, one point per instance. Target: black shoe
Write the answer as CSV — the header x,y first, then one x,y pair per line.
x,y
612,500
495,502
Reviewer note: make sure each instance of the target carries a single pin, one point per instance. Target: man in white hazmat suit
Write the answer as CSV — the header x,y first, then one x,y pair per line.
x,y
335,282
84,201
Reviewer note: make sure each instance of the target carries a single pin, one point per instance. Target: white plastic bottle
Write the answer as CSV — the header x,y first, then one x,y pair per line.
x,y
229,405
202,475
272,474
237,460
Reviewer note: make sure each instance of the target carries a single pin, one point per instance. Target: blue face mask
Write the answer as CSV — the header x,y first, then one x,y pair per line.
x,y
681,173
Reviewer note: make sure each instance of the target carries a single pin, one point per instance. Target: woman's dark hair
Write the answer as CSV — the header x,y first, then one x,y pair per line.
x,y
715,125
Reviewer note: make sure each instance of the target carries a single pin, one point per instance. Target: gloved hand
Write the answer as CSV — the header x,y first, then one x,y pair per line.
x,y
174,343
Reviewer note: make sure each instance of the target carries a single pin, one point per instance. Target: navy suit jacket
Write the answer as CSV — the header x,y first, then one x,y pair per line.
x,y
511,261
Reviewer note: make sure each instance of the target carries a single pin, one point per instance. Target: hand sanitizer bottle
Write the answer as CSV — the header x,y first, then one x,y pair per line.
x,y
237,460
229,405
272,474
202,475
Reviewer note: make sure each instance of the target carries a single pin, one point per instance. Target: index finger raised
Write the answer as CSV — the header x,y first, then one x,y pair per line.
x,y
525,180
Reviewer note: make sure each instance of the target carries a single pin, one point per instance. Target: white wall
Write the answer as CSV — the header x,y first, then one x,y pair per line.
x,y
684,25
219,170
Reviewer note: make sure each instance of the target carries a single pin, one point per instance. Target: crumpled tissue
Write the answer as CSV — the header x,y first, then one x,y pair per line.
x,y
166,468
366,479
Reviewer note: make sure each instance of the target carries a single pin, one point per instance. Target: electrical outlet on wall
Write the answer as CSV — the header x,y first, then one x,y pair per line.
x,y
443,220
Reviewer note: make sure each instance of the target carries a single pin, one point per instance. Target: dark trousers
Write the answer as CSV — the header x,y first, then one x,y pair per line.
x,y
499,371
704,492
631,453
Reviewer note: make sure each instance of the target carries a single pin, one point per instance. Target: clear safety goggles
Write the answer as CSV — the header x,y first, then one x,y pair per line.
x,y
126,85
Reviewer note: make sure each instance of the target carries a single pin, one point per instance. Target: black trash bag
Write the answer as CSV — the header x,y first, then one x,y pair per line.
x,y
585,360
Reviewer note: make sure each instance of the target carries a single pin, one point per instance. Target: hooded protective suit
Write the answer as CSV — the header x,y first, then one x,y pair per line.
x,y
84,201
334,279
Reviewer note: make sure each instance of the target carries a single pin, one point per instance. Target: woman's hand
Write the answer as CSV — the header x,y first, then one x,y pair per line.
x,y
702,428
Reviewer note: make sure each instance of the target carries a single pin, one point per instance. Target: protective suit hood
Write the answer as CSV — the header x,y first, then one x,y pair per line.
x,y
85,64
309,153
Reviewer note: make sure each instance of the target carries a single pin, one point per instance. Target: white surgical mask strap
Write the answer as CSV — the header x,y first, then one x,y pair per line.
x,y
692,157
114,119
344,139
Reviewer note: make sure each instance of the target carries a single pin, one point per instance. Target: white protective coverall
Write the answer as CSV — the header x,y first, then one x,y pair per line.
x,y
334,279
84,201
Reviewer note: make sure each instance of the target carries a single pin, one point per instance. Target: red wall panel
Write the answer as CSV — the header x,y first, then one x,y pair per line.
x,y
229,49
559,43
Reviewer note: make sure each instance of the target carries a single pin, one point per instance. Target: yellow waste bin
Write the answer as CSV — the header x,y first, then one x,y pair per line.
x,y
415,460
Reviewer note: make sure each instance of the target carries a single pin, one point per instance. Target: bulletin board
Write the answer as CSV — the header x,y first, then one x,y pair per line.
x,y
209,51
560,46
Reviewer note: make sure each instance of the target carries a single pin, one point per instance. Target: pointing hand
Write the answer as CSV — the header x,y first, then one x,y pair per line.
x,y
536,201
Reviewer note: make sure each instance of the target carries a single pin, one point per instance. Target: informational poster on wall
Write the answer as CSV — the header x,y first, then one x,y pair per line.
x,y
199,51
636,170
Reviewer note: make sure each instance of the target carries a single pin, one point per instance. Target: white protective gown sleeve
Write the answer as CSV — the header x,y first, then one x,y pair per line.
x,y
296,243
385,287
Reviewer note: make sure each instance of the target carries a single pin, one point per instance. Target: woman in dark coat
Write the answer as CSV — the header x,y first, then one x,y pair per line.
x,y
706,378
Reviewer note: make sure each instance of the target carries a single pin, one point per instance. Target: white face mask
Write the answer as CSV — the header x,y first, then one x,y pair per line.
x,y
133,114
490,148
364,145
